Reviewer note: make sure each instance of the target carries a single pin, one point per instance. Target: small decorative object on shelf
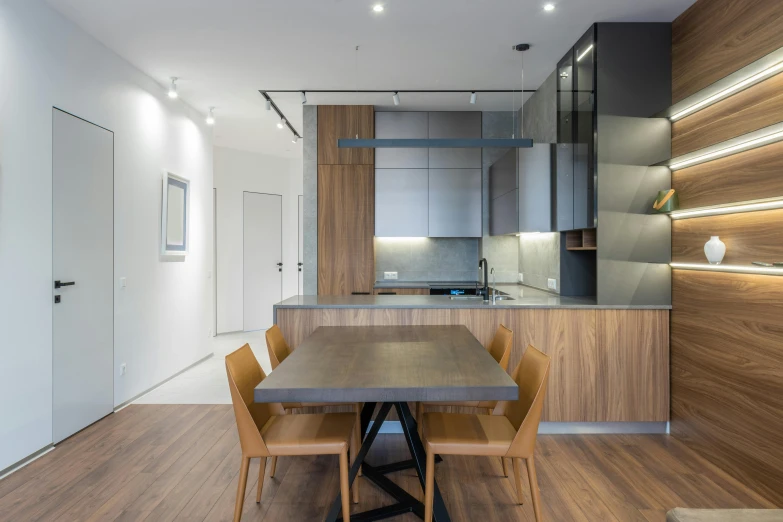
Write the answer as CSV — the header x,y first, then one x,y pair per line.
x,y
715,249
667,201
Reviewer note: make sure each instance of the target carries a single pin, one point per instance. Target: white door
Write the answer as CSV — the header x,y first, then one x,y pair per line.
x,y
83,268
262,258
300,263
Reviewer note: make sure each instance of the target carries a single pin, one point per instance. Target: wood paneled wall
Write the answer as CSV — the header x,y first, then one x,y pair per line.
x,y
717,37
727,328
607,365
346,202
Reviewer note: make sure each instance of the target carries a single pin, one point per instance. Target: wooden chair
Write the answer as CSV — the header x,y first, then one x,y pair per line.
x,y
510,432
279,350
265,430
500,349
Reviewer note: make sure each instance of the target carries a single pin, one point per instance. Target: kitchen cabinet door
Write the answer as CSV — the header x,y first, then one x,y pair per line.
x,y
401,201
454,125
401,125
455,202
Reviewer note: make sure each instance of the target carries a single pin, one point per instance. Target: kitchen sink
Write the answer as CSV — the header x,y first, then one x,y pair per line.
x,y
504,298
466,297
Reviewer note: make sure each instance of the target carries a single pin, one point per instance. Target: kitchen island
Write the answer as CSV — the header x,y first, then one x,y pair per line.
x,y
609,364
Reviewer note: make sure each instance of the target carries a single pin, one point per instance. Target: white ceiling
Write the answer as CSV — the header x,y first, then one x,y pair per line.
x,y
224,51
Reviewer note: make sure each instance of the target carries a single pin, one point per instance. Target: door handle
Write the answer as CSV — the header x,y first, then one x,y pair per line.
x,y
279,267
300,265
60,284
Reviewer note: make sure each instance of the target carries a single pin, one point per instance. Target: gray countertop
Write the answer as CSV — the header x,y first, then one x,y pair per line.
x,y
524,297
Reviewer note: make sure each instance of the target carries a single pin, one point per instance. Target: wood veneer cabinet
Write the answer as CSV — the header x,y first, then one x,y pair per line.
x,y
607,365
345,121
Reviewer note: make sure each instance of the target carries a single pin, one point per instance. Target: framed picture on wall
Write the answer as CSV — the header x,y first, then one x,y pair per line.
x,y
174,214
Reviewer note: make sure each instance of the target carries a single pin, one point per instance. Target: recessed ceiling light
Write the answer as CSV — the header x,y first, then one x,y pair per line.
x,y
377,8
549,7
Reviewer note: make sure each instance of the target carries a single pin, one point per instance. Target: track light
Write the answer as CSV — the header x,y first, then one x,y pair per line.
x,y
173,88
295,139
211,116
396,98
281,123
268,104
303,97
473,98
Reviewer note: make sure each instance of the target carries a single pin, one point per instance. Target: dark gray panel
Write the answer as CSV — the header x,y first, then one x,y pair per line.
x,y
564,187
634,76
455,125
626,140
577,271
503,174
455,202
401,203
535,188
503,214
411,125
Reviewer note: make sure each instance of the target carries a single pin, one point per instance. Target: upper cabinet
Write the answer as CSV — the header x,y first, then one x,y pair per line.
x,y
574,179
455,202
445,125
345,121
405,125
423,192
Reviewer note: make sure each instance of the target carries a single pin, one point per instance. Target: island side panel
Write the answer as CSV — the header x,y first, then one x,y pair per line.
x,y
607,365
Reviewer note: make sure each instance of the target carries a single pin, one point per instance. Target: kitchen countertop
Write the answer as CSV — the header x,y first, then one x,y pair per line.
x,y
524,297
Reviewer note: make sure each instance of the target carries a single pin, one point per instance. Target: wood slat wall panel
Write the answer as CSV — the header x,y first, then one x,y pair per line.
x,y
749,175
345,121
716,37
616,370
749,236
754,108
727,373
346,225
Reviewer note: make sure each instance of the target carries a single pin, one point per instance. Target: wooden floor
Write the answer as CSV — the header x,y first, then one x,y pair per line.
x,y
180,462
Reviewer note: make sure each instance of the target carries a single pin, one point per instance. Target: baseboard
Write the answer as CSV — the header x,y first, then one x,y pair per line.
x,y
572,428
161,383
25,461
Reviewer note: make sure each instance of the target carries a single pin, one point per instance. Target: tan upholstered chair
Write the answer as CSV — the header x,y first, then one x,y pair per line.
x,y
500,350
265,430
510,432
278,350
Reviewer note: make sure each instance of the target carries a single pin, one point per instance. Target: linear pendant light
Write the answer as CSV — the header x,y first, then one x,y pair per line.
x,y
434,143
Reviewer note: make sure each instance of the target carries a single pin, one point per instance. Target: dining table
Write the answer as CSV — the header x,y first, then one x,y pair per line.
x,y
390,366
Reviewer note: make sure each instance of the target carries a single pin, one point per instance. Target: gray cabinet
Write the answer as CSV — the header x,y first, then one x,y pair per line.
x,y
407,125
401,202
454,125
455,202
520,187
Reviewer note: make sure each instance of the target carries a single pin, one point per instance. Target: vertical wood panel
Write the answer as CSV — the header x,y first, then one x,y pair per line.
x,y
717,37
753,174
614,368
345,121
754,108
727,373
346,224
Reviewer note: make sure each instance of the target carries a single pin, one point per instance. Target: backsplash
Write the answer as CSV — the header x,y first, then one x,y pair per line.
x,y
539,259
427,259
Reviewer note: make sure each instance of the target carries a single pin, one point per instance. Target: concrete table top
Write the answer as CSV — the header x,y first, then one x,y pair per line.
x,y
388,364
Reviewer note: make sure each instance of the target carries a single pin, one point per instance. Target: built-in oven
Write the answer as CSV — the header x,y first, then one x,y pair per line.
x,y
454,290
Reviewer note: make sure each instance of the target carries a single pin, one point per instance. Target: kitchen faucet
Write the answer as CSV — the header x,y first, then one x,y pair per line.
x,y
494,285
485,292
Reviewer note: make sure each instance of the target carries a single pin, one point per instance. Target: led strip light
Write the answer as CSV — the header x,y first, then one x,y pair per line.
x,y
729,91
729,268
727,151
736,208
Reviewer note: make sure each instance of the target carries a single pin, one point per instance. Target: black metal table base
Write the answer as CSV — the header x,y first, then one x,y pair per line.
x,y
406,503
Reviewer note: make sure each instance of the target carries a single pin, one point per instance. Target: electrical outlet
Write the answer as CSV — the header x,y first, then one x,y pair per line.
x,y
551,284
521,277
123,369
390,275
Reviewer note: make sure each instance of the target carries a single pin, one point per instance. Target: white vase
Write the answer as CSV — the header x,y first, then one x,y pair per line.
x,y
714,249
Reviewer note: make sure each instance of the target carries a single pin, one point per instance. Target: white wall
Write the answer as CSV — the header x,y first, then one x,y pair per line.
x,y
235,172
162,317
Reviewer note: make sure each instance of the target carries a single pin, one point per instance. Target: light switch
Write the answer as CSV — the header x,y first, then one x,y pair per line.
x,y
123,282
551,284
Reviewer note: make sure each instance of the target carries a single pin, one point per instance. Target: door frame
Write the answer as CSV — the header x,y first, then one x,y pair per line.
x,y
282,274
300,241
113,263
